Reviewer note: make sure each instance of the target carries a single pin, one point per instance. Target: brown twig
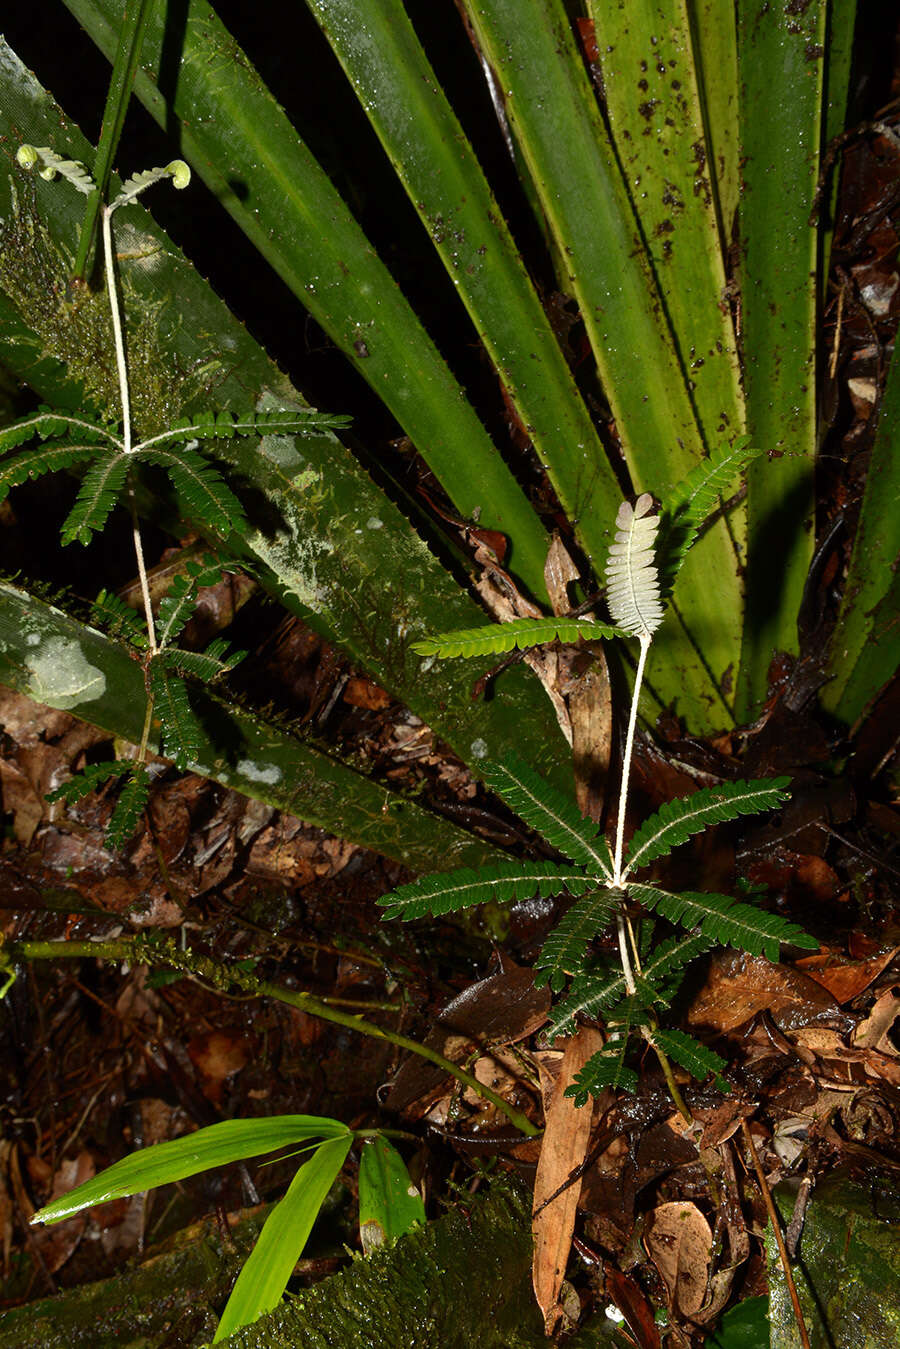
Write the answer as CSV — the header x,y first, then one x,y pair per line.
x,y
776,1228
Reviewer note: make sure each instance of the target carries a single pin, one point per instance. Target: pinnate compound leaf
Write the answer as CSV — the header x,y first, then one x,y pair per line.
x,y
563,953
181,735
128,808
228,426
604,1070
591,992
676,821
493,639
725,920
693,1056
556,817
632,581
114,616
501,882
208,665
164,1163
264,1277
100,490
48,424
663,971
89,779
201,485
34,463
691,503
178,604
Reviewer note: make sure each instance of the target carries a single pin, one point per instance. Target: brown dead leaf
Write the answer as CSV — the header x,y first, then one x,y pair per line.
x,y
58,1243
873,1032
217,1056
633,1305
845,980
361,692
590,709
567,1133
739,986
679,1242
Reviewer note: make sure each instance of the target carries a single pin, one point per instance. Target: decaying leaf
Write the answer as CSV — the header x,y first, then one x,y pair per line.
x,y
679,1242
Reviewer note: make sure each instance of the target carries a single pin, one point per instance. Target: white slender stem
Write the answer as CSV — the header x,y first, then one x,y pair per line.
x,y
645,640
117,328
628,972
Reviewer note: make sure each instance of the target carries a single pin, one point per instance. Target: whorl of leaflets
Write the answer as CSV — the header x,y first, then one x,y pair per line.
x,y
632,580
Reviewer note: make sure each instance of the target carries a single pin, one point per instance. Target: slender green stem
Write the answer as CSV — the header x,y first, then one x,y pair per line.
x,y
147,951
666,1066
131,35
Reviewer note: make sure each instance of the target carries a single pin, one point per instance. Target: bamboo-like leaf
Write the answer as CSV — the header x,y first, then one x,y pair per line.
x,y
97,496
693,1056
555,817
165,1163
129,808
264,1277
110,613
501,882
692,502
202,487
725,920
47,424
89,779
632,581
676,821
181,734
563,953
227,425
42,459
389,1203
520,634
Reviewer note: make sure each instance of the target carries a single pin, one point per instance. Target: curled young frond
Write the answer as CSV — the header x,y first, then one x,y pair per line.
x,y
632,582
54,165
177,170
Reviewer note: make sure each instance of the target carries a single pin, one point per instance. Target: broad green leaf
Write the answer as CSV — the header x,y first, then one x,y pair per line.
x,y
237,138
217,1145
389,1203
263,1279
781,72
501,882
520,633
725,920
863,651
555,817
745,1326
676,821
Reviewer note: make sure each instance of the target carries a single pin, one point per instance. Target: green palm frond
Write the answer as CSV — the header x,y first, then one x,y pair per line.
x,y
494,639
99,492
110,613
48,424
563,952
228,425
181,735
452,890
693,1056
129,807
201,485
89,779
676,821
555,817
693,501
34,463
725,920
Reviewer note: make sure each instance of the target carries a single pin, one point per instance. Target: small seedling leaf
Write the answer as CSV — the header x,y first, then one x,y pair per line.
x,y
389,1203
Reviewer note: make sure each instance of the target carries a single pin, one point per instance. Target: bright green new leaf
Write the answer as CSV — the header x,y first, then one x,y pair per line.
x,y
389,1203
164,1163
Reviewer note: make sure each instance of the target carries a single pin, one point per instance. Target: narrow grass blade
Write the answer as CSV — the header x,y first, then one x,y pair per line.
x,y
781,59
264,1277
163,1163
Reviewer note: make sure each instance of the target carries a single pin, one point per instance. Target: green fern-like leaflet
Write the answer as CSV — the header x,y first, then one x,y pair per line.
x,y
495,639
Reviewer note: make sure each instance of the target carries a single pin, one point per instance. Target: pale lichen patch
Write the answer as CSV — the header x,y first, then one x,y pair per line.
x,y
62,676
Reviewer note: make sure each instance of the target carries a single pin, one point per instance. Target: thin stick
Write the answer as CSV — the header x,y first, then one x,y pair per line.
x,y
776,1228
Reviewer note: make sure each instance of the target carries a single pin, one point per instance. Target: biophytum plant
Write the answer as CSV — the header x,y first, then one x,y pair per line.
x,y
110,455
607,885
